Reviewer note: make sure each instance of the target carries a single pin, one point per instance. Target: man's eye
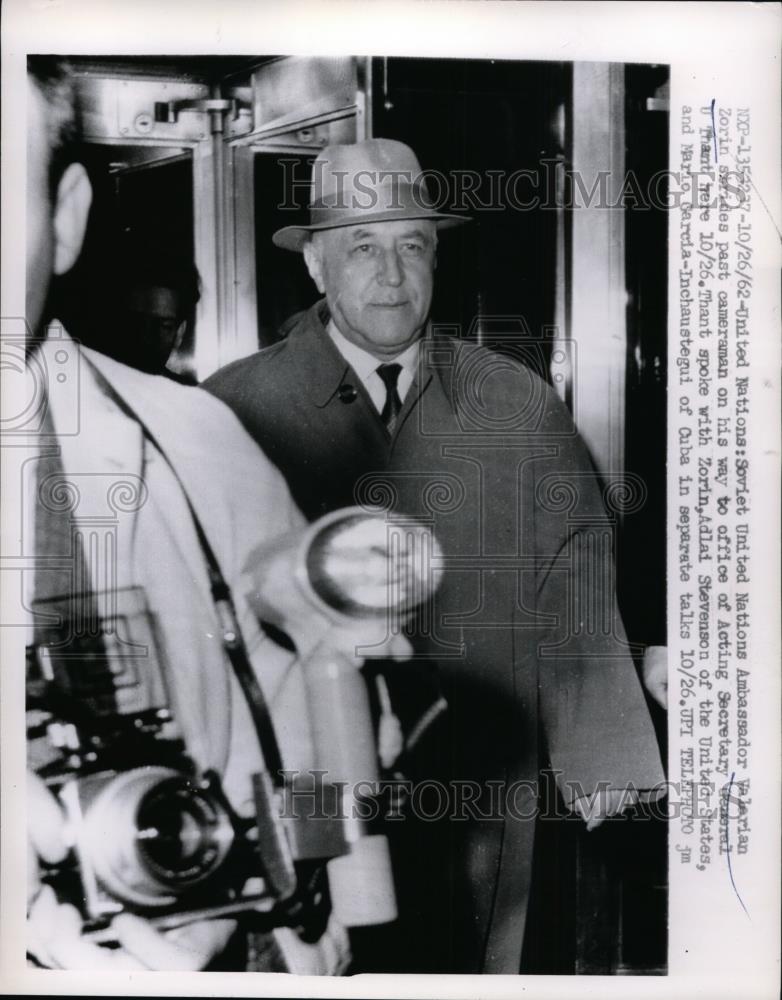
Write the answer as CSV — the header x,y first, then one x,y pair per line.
x,y
363,249
413,248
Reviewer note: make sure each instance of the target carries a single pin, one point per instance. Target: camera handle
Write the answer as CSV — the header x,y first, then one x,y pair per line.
x,y
361,880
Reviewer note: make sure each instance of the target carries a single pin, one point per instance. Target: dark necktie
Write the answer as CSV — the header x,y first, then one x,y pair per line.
x,y
393,404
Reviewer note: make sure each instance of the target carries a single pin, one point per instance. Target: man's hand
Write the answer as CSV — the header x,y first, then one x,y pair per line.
x,y
329,956
390,738
355,640
655,674
595,808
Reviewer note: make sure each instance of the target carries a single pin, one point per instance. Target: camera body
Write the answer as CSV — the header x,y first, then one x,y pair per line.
x,y
154,835
149,833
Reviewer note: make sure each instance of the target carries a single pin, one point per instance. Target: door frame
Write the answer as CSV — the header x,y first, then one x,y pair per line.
x,y
294,133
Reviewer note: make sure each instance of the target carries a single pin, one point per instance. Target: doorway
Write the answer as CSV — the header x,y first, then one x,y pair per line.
x,y
141,223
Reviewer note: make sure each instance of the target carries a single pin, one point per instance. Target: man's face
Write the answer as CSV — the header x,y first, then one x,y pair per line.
x,y
377,279
151,325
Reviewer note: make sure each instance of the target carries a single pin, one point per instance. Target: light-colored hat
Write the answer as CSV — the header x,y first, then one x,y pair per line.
x,y
378,180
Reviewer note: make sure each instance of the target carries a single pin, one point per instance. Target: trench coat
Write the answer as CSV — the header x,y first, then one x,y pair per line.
x,y
531,651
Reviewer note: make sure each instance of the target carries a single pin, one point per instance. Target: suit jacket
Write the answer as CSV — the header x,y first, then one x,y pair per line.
x,y
525,628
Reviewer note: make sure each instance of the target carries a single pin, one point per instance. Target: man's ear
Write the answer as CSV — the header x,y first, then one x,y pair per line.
x,y
71,209
314,264
180,335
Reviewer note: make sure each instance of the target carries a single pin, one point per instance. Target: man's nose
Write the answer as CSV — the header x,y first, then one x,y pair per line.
x,y
390,270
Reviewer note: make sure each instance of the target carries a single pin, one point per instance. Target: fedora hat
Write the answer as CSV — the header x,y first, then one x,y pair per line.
x,y
378,180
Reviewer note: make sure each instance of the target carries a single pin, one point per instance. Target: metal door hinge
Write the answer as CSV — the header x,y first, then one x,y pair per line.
x,y
215,107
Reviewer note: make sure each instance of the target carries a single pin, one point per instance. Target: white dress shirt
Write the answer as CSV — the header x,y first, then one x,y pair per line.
x,y
365,365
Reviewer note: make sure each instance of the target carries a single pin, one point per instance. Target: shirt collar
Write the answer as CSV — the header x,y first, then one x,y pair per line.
x,y
362,362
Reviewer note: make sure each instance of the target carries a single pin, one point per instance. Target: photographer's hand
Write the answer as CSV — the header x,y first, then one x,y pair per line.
x,y
358,640
45,832
45,843
57,928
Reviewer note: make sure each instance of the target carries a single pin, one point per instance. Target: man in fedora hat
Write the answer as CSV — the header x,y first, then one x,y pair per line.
x,y
364,402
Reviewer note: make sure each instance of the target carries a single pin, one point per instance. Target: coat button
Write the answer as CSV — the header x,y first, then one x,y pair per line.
x,y
347,393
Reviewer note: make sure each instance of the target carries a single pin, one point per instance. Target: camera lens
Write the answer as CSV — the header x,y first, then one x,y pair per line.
x,y
179,832
150,834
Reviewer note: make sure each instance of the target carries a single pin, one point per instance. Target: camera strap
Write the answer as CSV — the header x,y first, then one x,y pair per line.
x,y
222,598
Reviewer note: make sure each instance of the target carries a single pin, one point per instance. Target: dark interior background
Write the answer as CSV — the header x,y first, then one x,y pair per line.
x,y
284,288
480,116
134,212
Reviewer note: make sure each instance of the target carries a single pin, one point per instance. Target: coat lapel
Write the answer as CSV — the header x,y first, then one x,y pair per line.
x,y
430,360
323,370
318,364
320,368
104,455
121,437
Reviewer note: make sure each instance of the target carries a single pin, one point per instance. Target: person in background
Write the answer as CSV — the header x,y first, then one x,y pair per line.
x,y
157,294
136,302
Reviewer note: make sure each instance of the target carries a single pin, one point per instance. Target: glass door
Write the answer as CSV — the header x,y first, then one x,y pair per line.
x,y
299,105
149,153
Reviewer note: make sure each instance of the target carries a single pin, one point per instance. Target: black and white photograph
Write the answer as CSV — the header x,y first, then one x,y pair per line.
x,y
383,543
